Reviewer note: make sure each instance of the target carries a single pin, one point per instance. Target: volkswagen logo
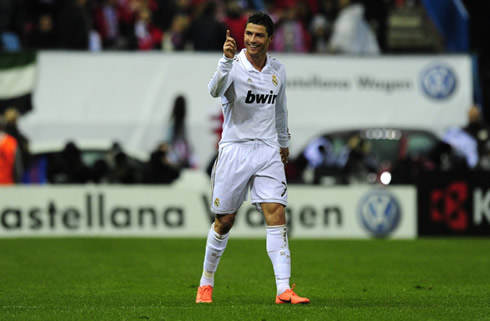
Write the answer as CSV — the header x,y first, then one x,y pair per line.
x,y
379,212
438,81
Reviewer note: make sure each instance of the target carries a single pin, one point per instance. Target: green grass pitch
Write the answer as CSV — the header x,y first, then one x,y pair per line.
x,y
156,279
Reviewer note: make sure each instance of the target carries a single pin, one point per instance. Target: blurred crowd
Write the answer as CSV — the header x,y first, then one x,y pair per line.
x,y
174,25
76,165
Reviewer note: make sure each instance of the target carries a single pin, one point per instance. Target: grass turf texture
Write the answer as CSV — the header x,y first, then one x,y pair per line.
x,y
156,279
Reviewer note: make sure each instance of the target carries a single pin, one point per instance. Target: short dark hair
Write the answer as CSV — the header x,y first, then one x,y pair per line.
x,y
263,19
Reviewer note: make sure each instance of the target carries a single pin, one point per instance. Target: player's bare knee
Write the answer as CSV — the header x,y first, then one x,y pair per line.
x,y
274,213
223,223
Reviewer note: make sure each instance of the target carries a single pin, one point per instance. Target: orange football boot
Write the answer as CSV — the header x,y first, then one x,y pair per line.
x,y
204,294
289,296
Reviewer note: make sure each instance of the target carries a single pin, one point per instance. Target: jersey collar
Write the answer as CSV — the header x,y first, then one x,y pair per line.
x,y
248,66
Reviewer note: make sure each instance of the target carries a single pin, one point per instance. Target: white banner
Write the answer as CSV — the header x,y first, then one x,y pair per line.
x,y
182,210
95,99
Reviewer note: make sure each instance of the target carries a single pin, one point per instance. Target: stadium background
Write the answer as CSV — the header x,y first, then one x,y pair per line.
x,y
120,93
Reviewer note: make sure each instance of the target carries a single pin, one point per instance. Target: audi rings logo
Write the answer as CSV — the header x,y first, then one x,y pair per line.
x,y
438,81
379,212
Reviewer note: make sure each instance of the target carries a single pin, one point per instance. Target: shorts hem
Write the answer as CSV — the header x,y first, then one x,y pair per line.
x,y
256,202
223,212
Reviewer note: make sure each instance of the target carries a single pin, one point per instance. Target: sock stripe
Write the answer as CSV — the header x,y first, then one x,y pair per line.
x,y
276,226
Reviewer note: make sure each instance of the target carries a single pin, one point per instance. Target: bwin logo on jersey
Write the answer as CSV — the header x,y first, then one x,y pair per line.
x,y
379,212
260,98
438,82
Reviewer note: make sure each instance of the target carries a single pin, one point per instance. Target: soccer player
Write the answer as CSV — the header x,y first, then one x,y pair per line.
x,y
252,152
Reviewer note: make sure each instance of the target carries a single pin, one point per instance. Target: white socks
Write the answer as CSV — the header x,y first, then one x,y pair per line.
x,y
278,250
215,246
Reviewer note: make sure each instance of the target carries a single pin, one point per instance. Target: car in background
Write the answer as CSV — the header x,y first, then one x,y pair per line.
x,y
370,156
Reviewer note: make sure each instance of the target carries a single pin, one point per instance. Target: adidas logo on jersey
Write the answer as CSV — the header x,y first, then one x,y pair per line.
x,y
260,98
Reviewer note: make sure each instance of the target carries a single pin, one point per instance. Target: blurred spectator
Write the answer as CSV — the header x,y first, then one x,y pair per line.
x,y
164,14
180,154
123,172
11,24
236,20
320,34
480,131
10,157
11,115
206,32
290,34
377,17
74,25
351,32
147,35
68,167
43,35
472,141
115,149
464,144
176,38
106,21
100,172
159,170
255,5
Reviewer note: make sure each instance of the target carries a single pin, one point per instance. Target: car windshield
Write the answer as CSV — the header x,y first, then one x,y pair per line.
x,y
384,149
419,144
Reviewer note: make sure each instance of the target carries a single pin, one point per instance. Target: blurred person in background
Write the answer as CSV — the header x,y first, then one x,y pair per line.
x,y
253,152
74,25
10,157
176,38
11,116
351,33
159,169
463,144
99,172
291,35
235,21
147,35
68,167
123,171
206,32
480,131
180,152
108,23
43,35
121,168
12,18
320,30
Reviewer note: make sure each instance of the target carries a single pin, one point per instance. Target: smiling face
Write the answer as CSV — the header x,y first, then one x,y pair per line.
x,y
257,40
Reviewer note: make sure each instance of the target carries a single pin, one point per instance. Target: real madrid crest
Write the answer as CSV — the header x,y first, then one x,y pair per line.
x,y
274,80
216,202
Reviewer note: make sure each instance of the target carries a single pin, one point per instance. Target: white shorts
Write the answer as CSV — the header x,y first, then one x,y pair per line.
x,y
242,166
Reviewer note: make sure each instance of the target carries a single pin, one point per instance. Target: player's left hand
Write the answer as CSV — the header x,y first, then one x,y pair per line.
x,y
284,155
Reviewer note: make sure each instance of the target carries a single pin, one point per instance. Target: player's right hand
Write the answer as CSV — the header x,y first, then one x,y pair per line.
x,y
229,48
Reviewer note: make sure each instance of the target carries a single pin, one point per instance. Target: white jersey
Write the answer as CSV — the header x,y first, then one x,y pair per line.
x,y
253,102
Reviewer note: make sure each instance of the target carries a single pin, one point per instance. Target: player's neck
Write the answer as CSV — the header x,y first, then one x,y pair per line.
x,y
257,61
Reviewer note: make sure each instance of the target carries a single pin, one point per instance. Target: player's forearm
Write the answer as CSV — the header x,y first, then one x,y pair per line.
x,y
219,82
282,121
282,130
